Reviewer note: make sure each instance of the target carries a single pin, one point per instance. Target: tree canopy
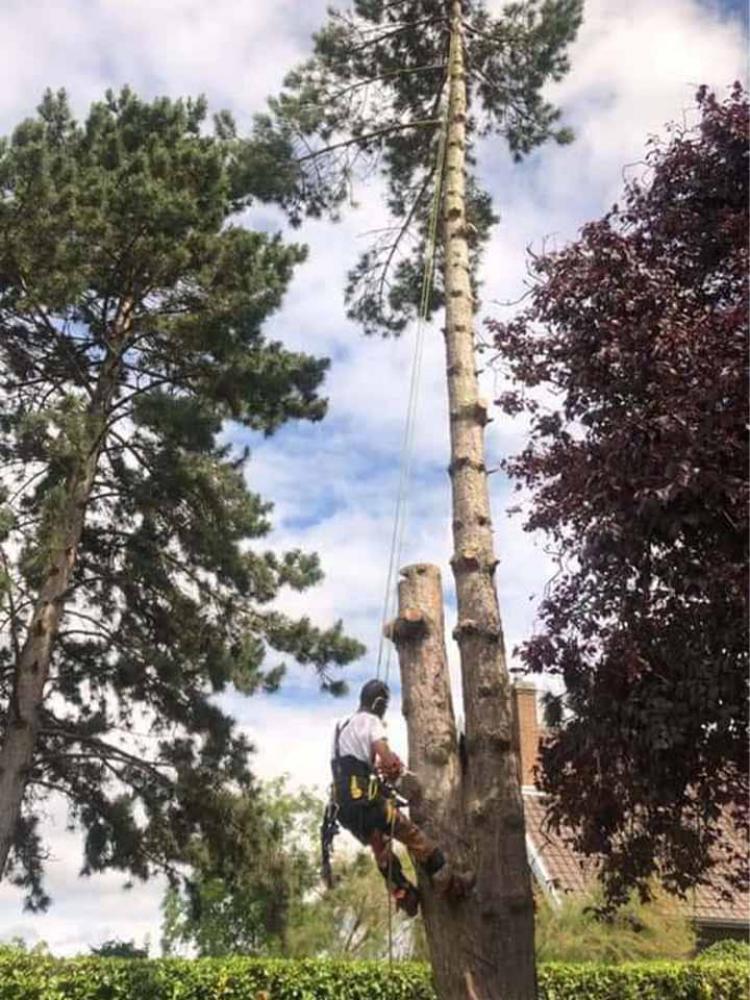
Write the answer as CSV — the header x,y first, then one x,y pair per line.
x,y
371,99
636,472
261,894
246,886
118,948
132,304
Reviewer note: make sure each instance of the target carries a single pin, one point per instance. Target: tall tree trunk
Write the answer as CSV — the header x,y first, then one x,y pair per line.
x,y
497,923
427,705
31,669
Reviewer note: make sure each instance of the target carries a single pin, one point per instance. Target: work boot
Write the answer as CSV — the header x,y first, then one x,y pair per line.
x,y
407,900
452,884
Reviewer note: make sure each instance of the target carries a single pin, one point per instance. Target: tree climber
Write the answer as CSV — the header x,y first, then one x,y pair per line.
x,y
362,763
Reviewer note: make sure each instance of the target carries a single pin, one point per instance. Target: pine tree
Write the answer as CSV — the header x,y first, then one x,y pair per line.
x,y
132,584
409,88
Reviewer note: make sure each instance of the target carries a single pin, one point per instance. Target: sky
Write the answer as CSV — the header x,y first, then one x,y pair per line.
x,y
635,67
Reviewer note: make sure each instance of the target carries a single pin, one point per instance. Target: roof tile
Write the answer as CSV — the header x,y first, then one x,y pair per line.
x,y
571,873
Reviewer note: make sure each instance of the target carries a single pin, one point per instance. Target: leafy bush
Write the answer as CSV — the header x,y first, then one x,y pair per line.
x,y
211,979
645,981
117,948
729,950
24,977
638,932
16,946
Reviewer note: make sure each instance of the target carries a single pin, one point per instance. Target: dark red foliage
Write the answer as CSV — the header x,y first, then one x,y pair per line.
x,y
637,469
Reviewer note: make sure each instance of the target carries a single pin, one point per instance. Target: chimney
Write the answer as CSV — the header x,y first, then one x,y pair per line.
x,y
525,728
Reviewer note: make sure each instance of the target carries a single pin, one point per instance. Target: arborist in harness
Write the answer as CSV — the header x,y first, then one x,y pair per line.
x,y
364,802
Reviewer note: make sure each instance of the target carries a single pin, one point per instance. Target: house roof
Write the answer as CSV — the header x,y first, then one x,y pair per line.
x,y
561,871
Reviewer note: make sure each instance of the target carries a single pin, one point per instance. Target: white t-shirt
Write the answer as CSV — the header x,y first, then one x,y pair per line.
x,y
357,735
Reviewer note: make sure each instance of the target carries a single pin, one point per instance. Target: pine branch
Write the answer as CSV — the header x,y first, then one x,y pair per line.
x,y
362,139
114,578
51,786
127,399
99,636
512,105
373,42
118,261
394,3
403,230
43,362
414,206
76,612
28,384
128,446
112,494
336,95
106,751
59,338
24,486
480,34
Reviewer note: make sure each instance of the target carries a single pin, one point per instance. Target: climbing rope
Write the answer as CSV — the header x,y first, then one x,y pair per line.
x,y
407,446
390,890
407,455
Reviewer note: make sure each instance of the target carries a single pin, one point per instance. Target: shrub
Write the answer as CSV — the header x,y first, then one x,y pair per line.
x,y
24,977
637,932
116,948
644,981
729,950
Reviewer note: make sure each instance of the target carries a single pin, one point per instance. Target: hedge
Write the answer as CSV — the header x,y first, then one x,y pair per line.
x,y
728,950
24,977
645,981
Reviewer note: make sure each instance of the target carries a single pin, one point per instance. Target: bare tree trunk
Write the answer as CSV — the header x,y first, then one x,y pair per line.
x,y
427,705
497,925
467,960
31,669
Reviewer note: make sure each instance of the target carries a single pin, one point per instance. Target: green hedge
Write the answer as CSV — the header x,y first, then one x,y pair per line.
x,y
645,981
728,950
26,977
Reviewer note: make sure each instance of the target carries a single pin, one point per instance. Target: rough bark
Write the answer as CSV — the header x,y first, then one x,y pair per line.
x,y
463,950
32,666
427,705
498,924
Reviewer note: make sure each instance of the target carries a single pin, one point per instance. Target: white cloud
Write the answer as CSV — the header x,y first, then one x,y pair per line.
x,y
234,52
635,67
86,911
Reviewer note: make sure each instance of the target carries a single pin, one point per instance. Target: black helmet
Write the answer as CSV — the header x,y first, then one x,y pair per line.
x,y
374,697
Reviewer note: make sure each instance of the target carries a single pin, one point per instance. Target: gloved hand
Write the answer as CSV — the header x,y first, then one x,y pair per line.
x,y
393,770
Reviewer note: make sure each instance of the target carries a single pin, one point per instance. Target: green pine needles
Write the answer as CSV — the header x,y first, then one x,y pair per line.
x,y
133,582
371,99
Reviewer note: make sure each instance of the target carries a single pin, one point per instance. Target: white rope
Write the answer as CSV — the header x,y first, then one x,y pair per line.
x,y
407,447
399,520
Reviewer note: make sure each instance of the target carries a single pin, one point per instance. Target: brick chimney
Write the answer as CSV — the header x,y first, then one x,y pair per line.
x,y
526,731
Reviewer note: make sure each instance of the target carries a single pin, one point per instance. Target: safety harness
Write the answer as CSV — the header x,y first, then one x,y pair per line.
x,y
346,766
